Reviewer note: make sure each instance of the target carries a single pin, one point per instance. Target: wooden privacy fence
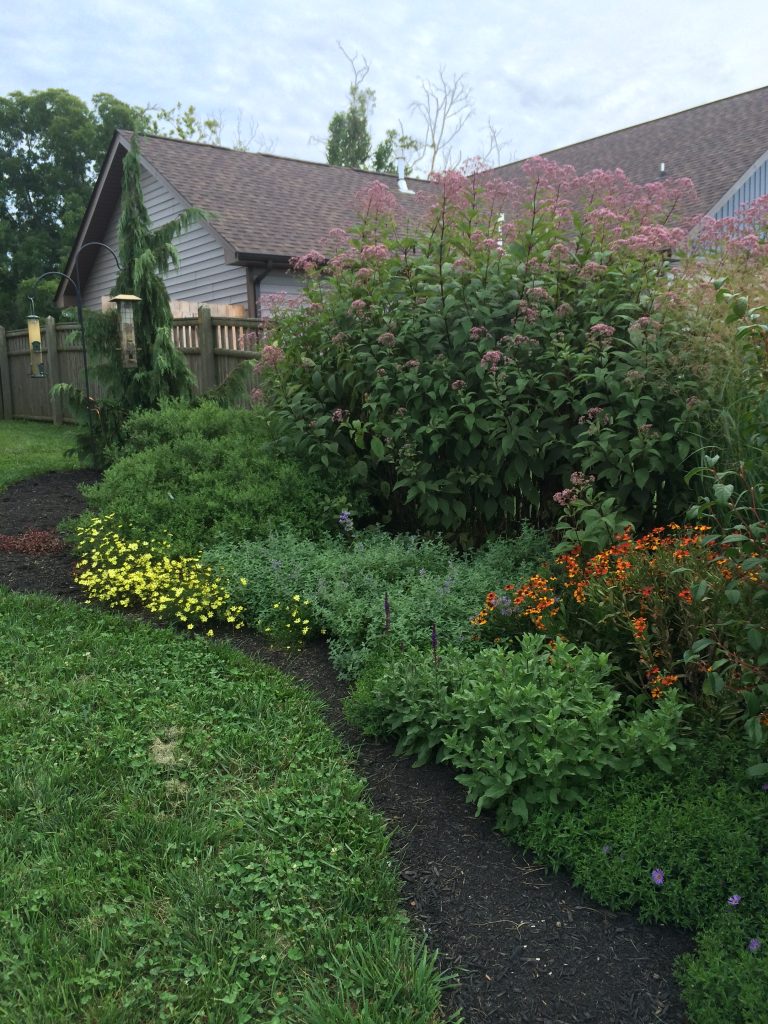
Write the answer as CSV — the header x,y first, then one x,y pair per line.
x,y
212,347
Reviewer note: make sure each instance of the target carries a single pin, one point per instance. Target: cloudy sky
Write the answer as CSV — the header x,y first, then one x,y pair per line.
x,y
544,73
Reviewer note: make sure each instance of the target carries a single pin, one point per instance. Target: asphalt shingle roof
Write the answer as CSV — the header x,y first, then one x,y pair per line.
x,y
263,204
713,145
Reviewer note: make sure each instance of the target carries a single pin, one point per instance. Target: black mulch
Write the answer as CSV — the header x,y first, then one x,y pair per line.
x,y
528,947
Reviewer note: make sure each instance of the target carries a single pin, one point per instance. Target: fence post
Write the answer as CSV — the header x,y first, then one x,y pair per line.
x,y
6,405
54,372
205,335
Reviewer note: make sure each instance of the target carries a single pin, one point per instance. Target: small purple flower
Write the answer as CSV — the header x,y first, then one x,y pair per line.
x,y
607,849
346,523
735,900
657,876
764,787
753,945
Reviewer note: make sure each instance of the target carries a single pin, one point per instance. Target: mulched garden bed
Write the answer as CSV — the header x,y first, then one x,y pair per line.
x,y
527,946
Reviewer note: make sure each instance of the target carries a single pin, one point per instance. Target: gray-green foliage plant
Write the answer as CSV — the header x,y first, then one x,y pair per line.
x,y
369,591
535,727
462,370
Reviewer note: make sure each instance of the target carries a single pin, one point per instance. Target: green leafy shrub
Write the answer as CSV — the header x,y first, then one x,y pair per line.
x,y
707,833
687,849
461,372
727,978
206,473
372,592
679,607
526,728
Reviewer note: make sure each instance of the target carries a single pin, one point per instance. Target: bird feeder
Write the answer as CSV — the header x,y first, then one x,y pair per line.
x,y
36,364
125,305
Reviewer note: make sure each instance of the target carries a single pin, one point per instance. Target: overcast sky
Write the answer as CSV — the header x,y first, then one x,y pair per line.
x,y
545,73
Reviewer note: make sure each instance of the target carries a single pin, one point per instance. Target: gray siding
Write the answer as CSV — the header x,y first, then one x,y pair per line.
x,y
280,286
202,276
753,187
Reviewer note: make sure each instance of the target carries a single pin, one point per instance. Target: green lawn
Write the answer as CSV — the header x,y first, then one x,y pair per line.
x,y
183,839
27,448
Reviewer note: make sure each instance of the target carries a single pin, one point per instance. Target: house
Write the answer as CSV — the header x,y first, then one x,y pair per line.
x,y
262,211
265,209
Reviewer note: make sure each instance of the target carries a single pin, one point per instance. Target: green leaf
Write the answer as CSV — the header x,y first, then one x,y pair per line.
x,y
755,638
377,447
520,808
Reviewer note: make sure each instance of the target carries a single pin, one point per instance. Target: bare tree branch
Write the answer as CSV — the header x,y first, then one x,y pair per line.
x,y
445,109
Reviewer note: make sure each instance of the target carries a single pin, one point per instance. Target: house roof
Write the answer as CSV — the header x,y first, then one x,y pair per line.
x,y
262,207
714,145
270,208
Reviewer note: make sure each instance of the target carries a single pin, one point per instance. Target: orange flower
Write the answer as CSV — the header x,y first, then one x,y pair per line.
x,y
686,595
639,627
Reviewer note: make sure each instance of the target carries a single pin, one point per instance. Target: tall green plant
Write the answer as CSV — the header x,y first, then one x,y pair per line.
x,y
464,371
146,255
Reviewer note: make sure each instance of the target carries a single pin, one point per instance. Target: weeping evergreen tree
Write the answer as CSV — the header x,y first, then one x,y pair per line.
x,y
145,255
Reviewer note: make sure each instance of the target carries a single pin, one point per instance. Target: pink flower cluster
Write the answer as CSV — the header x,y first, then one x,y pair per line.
x,y
491,359
311,260
602,331
269,357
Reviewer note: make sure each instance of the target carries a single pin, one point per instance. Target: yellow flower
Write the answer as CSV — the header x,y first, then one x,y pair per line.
x,y
296,597
243,581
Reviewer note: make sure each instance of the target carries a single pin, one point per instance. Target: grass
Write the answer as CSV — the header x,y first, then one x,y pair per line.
x,y
183,839
28,448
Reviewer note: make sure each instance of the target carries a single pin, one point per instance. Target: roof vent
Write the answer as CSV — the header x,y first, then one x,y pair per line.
x,y
662,169
402,184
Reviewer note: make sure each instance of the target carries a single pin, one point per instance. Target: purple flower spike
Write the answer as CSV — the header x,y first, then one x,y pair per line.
x,y
657,876
753,945
735,900
387,613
